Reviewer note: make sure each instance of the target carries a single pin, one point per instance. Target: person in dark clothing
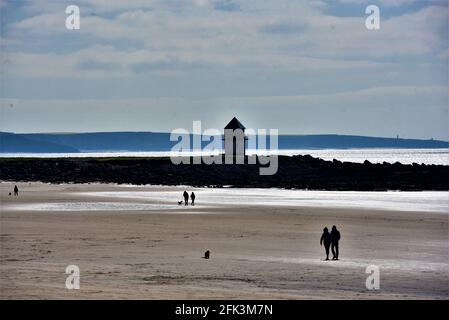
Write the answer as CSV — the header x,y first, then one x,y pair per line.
x,y
16,191
186,198
192,198
326,239
335,238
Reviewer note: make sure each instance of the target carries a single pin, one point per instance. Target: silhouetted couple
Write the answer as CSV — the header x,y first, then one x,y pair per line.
x,y
331,240
186,198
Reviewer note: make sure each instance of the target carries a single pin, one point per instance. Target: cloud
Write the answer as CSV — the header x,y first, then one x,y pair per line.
x,y
226,5
284,28
264,29
375,97
386,3
95,65
407,35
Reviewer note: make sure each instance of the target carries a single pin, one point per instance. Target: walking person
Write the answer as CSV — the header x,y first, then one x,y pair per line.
x,y
16,191
326,239
335,238
192,198
186,198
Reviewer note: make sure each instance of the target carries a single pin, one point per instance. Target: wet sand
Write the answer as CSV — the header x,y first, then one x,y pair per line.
x,y
257,251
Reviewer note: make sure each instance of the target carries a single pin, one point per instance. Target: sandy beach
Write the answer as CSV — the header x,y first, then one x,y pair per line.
x,y
148,247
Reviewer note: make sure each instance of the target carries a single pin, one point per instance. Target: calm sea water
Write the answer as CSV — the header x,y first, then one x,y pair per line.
x,y
406,156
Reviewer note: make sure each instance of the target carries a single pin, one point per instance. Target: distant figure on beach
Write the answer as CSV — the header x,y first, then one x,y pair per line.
x,y
206,254
326,239
192,198
186,197
16,191
335,238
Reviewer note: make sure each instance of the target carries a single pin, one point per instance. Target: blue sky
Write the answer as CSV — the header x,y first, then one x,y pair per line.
x,y
301,67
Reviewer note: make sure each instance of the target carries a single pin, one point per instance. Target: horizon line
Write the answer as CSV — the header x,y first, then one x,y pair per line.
x,y
281,134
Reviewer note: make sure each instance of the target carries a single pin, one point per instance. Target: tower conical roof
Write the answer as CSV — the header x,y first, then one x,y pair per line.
x,y
235,124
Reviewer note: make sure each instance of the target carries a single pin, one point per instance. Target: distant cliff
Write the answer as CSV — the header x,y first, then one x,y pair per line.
x,y
301,172
20,143
154,141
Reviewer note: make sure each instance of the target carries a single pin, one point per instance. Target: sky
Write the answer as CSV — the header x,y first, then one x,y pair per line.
x,y
302,67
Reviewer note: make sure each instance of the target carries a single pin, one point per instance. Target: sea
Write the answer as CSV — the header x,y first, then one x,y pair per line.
x,y
404,156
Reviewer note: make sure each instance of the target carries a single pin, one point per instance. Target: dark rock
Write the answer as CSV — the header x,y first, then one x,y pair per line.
x,y
298,172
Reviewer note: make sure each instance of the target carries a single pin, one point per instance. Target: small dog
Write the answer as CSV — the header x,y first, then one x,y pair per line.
x,y
207,254
179,203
